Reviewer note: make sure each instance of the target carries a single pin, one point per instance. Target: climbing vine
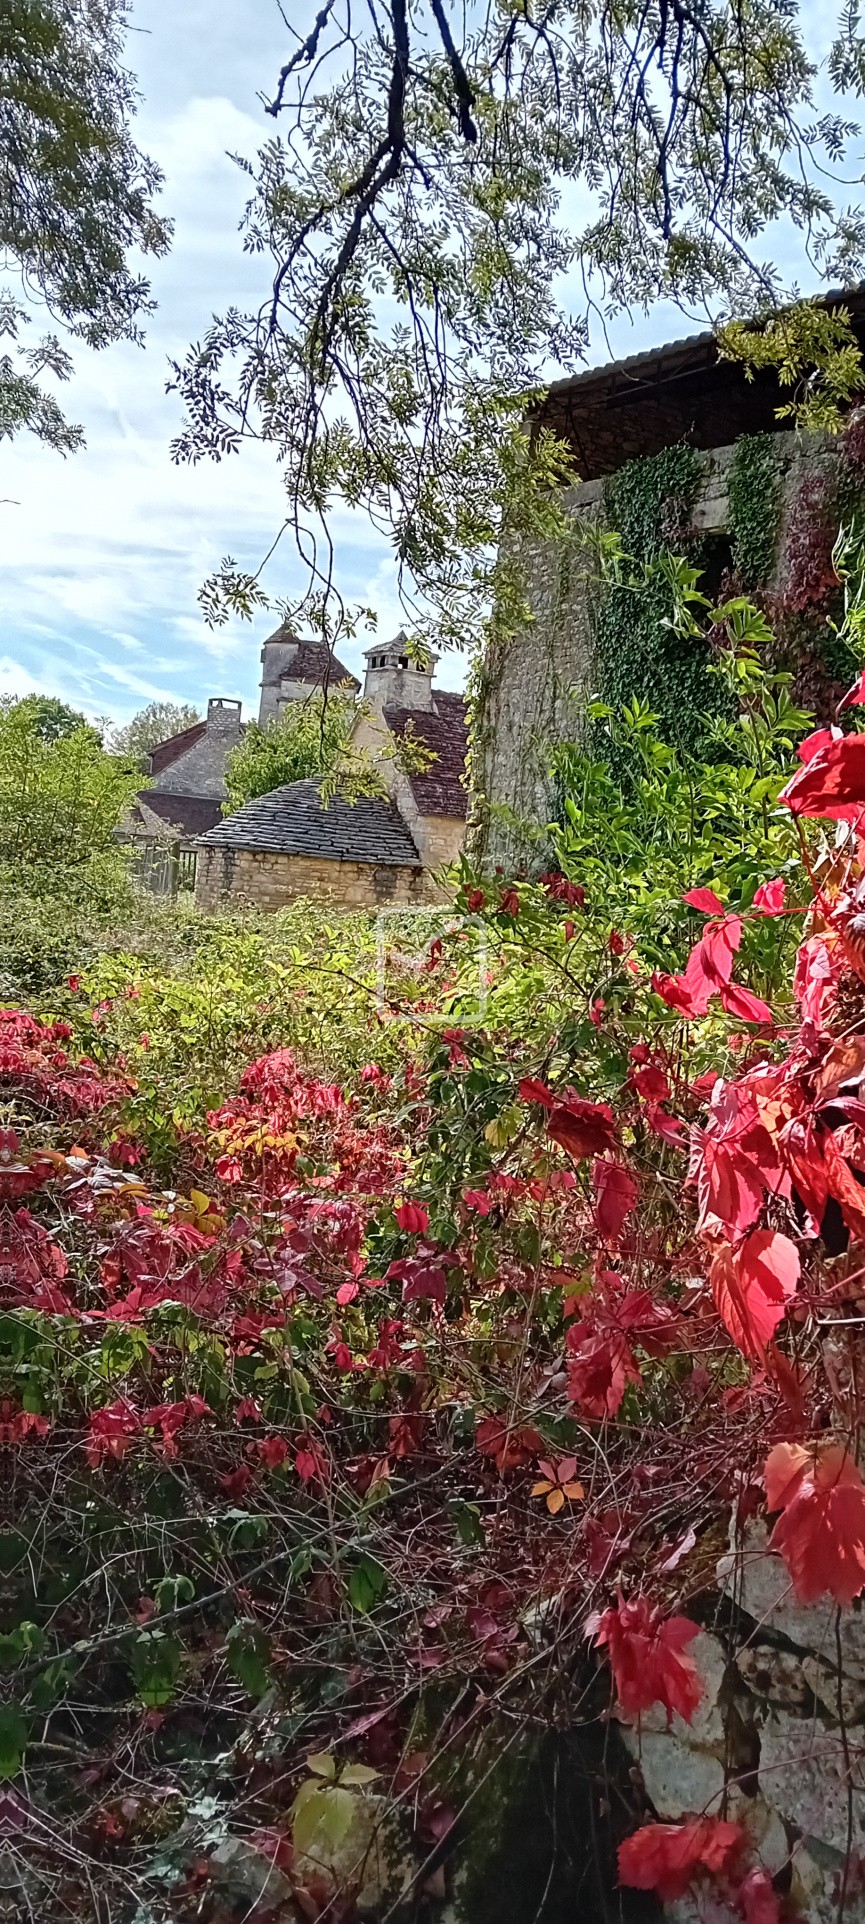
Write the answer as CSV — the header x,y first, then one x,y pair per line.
x,y
637,650
755,507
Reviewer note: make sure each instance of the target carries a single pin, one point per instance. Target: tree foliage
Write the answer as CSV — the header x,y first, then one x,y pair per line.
x,y
446,204
61,794
51,718
76,195
154,724
310,737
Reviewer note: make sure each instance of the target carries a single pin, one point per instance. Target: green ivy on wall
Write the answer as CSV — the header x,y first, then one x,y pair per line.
x,y
650,504
755,495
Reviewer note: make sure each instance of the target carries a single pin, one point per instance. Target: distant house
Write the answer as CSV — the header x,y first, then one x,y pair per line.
x,y
188,786
380,850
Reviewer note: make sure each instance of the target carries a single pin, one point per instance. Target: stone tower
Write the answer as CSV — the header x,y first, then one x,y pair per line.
x,y
291,670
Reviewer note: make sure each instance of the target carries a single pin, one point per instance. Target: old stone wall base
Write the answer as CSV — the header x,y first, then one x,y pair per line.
x,y
246,877
778,1743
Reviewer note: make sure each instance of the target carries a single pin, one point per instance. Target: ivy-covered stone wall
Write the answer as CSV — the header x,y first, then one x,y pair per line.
x,y
759,517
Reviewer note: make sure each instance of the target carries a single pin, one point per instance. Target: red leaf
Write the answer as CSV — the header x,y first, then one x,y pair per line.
x,y
729,1186
650,1083
615,1197
583,1128
669,1128
531,1089
666,1858
821,1533
813,743
855,696
676,993
647,1658
770,897
832,782
757,1901
705,900
718,945
742,1003
599,1372
752,1285
412,1218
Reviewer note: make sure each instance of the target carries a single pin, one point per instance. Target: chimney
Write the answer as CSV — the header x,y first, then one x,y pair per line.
x,y
223,719
395,679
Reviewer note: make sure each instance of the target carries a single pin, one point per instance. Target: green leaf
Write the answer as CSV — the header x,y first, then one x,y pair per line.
x,y
13,1740
366,1584
248,1650
322,1818
171,1591
467,1518
156,1665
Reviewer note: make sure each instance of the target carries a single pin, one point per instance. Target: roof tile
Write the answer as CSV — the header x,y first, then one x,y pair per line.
x,y
440,789
293,820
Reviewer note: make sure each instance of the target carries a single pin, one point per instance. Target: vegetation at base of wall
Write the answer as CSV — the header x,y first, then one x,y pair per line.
x,y
385,1377
754,496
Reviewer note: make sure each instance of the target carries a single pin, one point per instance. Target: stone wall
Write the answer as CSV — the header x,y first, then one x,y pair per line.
x,y
438,838
535,690
778,1743
259,880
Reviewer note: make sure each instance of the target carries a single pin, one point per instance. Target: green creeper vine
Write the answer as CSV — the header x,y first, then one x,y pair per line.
x,y
649,503
755,507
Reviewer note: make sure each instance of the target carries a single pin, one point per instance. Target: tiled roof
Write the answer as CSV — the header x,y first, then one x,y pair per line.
x,y
313,663
165,753
294,821
191,814
681,391
444,730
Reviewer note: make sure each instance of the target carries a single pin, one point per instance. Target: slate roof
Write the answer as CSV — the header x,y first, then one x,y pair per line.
x,y
170,751
444,730
294,821
191,814
681,391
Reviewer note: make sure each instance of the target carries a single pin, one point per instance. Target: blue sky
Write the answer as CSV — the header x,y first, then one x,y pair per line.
x,y
102,554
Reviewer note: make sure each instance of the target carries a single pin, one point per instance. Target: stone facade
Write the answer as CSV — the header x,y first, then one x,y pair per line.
x,y
535,690
292,670
251,878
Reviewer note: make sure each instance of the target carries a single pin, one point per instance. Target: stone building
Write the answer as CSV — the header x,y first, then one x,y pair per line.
x,y
379,850
286,845
292,669
618,421
188,788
